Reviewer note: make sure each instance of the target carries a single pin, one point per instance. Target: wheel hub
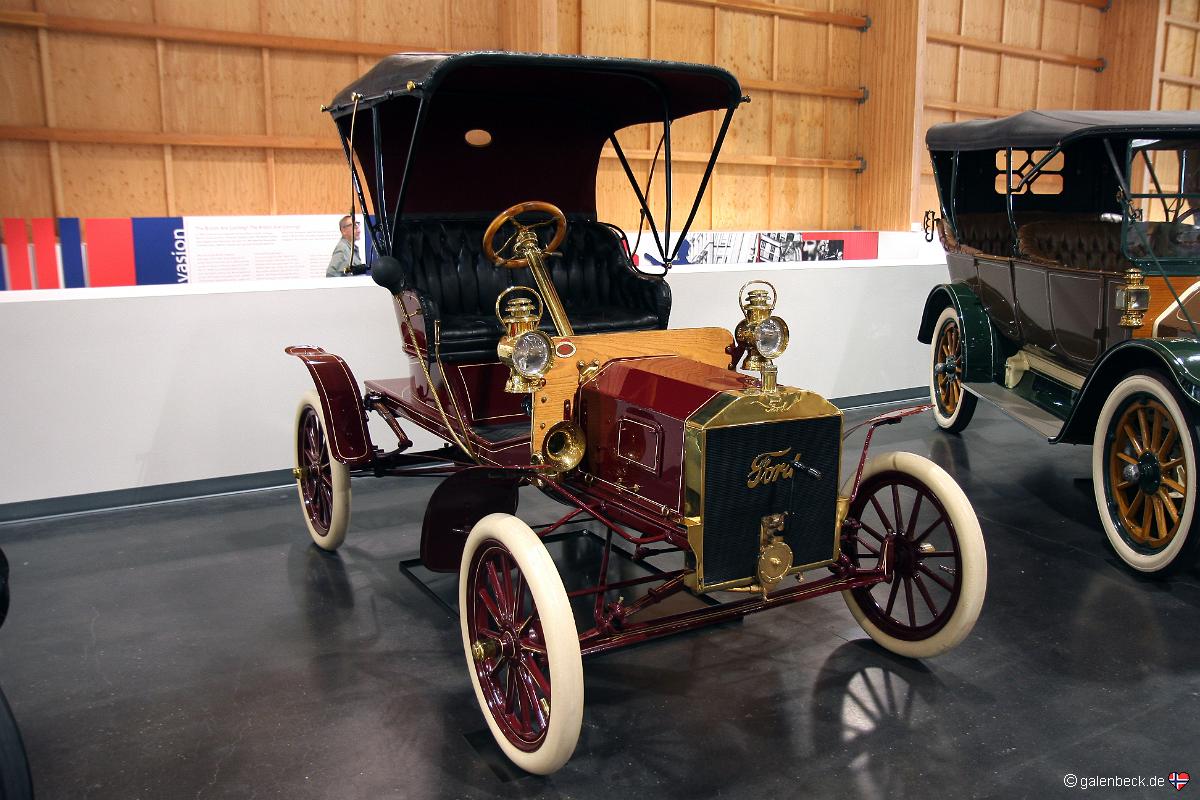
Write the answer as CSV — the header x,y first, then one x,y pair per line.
x,y
1146,473
948,367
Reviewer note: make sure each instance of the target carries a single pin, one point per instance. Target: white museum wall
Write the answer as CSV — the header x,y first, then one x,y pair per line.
x,y
110,389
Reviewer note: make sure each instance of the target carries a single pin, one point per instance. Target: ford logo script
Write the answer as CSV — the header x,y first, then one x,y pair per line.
x,y
766,469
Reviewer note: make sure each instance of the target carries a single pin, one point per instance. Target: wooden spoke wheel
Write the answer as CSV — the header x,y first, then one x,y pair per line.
x,y
910,514
953,406
521,644
1144,473
323,482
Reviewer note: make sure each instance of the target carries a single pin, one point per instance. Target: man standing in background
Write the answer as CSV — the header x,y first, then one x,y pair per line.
x,y
346,260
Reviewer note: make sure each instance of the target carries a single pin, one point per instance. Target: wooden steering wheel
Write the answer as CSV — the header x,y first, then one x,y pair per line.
x,y
511,213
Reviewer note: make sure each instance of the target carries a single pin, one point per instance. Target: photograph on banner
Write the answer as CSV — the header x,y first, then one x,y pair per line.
x,y
731,247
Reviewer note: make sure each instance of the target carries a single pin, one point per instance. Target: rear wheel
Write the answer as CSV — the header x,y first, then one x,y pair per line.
x,y
953,405
1144,474
521,644
939,564
323,482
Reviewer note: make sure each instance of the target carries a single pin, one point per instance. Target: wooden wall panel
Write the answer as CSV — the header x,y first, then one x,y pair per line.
x,y
219,180
17,5
300,84
21,100
740,201
615,201
682,32
796,198
475,25
416,23
113,180
25,180
124,10
322,19
614,28
213,89
568,26
106,83
311,182
841,202
225,15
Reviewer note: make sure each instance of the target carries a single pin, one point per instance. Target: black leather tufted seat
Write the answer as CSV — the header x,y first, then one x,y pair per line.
x,y
443,262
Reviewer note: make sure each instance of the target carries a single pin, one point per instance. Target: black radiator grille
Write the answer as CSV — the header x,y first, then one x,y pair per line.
x,y
733,512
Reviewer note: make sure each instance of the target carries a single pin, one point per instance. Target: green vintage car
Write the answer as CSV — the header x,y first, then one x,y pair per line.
x,y
1073,245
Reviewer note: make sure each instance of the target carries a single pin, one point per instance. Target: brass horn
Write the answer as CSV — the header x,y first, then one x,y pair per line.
x,y
564,446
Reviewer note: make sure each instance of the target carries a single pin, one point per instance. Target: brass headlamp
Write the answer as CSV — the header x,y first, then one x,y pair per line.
x,y
526,351
1133,299
763,335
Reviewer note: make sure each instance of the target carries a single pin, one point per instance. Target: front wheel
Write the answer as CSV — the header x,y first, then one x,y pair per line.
x,y
953,405
322,481
939,564
1143,463
521,644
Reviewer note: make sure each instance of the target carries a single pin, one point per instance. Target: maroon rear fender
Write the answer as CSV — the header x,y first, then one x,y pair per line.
x,y
345,419
456,505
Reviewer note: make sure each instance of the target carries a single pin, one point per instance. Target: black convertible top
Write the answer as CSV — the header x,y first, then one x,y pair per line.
x,y
1046,129
627,91
547,116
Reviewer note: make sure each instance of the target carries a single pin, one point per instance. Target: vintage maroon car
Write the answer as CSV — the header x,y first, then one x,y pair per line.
x,y
541,354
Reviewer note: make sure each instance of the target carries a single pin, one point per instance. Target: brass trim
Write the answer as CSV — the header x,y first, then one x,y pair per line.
x,y
743,408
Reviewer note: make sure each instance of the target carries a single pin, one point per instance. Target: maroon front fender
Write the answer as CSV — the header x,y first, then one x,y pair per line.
x,y
456,505
345,419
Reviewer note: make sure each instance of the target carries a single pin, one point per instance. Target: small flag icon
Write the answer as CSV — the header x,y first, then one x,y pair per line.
x,y
1179,780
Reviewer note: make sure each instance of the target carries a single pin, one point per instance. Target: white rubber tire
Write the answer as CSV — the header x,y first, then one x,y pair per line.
x,y
966,403
558,629
1184,540
339,521
971,551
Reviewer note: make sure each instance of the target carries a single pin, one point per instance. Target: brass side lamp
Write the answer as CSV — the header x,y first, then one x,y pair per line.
x,y
1133,299
526,351
763,335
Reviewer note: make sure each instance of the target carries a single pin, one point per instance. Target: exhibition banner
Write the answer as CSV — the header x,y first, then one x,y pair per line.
x,y
110,252
73,253
260,248
159,250
747,247
70,246
16,241
44,259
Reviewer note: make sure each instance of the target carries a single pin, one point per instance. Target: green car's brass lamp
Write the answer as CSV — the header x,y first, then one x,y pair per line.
x,y
1133,299
763,335
527,352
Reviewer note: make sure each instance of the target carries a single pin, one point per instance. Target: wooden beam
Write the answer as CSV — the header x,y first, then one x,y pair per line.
x,y
1182,80
970,108
174,33
785,87
260,141
1182,22
1102,5
1097,63
787,12
46,134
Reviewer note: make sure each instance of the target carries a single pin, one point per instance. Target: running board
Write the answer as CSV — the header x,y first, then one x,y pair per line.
x,y
1018,408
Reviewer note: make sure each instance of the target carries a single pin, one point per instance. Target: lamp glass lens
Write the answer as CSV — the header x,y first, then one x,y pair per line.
x,y
531,354
768,338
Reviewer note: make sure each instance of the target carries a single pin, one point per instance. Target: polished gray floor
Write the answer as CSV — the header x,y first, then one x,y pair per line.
x,y
205,649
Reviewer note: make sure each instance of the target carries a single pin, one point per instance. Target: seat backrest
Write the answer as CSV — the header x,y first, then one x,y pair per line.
x,y
444,260
1090,244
